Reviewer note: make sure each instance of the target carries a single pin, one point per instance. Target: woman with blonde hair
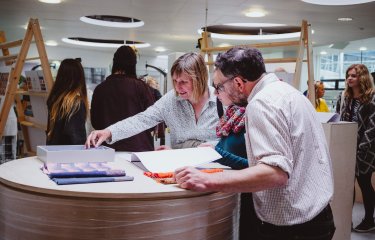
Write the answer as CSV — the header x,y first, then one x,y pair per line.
x,y
357,104
189,110
67,105
320,103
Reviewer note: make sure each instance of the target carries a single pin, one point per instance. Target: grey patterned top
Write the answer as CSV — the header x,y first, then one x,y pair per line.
x,y
179,116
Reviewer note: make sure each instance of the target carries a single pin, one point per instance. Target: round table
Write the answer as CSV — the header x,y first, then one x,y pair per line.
x,y
33,207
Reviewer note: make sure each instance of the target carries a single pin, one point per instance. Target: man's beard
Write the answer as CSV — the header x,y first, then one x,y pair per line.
x,y
237,98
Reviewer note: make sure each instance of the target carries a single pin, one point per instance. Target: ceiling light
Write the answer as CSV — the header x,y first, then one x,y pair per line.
x,y
362,48
104,43
50,1
253,37
160,49
254,24
162,56
323,53
51,43
336,2
224,45
312,31
345,19
112,21
330,45
255,13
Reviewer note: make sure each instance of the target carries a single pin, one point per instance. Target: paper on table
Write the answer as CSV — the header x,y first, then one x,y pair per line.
x,y
170,160
325,117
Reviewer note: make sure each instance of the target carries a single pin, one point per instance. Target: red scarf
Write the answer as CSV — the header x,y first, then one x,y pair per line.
x,y
232,121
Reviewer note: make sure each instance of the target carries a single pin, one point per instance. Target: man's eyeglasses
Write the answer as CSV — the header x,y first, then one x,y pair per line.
x,y
220,86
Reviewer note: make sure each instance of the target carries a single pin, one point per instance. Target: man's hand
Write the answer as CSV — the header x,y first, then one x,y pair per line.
x,y
97,137
193,179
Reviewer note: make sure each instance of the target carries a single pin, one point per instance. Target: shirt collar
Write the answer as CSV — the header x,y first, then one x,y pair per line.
x,y
266,79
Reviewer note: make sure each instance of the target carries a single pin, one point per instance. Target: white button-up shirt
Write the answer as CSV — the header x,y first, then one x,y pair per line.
x,y
179,116
283,131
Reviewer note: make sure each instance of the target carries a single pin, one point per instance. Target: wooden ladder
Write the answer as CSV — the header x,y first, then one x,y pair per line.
x,y
17,62
304,44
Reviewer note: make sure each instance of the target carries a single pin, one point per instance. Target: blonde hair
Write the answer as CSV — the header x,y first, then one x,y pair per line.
x,y
317,85
193,65
366,85
151,81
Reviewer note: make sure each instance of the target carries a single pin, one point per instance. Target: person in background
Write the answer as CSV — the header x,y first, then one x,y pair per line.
x,y
159,131
120,96
67,106
150,81
189,110
291,202
320,103
357,104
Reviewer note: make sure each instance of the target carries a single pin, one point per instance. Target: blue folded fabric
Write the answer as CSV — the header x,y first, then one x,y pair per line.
x,y
108,173
81,180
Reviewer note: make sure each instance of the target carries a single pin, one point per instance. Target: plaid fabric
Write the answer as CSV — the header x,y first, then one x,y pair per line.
x,y
7,149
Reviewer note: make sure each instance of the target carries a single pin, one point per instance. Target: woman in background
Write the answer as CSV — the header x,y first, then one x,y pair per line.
x,y
320,103
67,106
189,110
357,104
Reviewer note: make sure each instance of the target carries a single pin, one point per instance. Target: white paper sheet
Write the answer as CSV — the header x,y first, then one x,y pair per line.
x,y
169,160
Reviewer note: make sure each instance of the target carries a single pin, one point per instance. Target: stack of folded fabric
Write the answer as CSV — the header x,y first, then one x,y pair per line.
x,y
78,173
167,177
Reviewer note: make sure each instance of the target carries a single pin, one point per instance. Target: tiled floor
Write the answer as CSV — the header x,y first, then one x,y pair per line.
x,y
358,214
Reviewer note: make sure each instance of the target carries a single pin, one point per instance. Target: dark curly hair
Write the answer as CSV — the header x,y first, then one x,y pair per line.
x,y
241,61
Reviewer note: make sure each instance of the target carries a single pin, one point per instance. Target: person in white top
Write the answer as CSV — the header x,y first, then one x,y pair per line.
x,y
290,170
189,110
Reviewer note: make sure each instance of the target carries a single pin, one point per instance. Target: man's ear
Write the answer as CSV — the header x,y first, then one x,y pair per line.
x,y
239,83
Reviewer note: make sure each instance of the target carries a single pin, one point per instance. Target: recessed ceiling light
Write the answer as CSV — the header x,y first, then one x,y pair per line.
x,y
51,43
330,45
160,49
50,1
255,13
323,53
336,2
112,21
254,24
90,42
362,48
345,19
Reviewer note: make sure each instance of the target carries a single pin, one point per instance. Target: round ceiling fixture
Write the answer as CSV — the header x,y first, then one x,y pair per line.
x,y
344,19
50,1
106,43
336,2
255,31
112,21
